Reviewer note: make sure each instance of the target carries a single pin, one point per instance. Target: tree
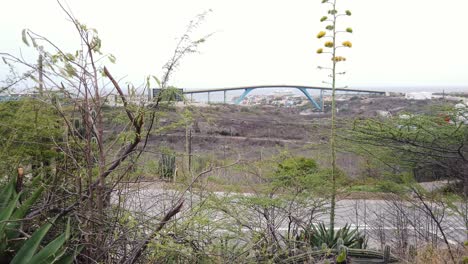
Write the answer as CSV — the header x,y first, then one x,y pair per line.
x,y
288,192
331,48
94,162
425,146
420,144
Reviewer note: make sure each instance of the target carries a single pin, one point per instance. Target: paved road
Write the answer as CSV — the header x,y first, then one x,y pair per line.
x,y
380,219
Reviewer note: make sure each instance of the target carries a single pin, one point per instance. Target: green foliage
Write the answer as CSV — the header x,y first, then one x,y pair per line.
x,y
426,145
27,133
199,238
318,235
299,174
261,201
29,251
392,187
418,131
388,184
296,172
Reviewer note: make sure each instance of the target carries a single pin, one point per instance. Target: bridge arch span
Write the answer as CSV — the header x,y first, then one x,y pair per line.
x,y
304,89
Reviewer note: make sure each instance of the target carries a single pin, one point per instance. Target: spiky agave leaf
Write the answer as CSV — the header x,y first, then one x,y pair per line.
x,y
319,234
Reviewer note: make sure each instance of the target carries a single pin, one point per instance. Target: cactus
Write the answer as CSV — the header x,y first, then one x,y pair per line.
x,y
386,257
339,242
412,252
342,257
167,166
343,251
79,128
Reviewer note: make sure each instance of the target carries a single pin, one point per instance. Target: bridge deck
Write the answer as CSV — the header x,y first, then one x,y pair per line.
x,y
192,91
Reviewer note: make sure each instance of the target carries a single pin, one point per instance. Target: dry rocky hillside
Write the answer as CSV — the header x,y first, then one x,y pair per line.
x,y
224,132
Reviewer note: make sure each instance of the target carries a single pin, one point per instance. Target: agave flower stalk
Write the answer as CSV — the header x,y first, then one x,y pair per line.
x,y
330,47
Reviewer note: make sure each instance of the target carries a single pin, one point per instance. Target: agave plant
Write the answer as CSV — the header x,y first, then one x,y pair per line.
x,y
319,236
30,250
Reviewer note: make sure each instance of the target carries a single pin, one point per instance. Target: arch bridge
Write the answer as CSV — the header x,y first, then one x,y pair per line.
x,y
304,89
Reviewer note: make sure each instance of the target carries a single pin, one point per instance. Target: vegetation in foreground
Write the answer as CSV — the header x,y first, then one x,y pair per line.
x,y
70,190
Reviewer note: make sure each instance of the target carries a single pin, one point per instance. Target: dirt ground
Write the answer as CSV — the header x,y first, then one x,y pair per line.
x,y
225,132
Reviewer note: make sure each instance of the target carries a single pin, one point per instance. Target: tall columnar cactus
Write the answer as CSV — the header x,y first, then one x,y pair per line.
x,y
79,128
331,47
167,166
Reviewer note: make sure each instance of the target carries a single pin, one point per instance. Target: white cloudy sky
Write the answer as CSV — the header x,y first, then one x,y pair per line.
x,y
396,42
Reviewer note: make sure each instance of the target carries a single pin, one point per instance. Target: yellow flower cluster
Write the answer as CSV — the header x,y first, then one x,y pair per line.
x,y
321,34
319,51
347,44
329,44
338,58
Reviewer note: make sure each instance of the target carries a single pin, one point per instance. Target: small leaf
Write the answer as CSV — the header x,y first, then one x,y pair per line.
x,y
69,56
34,42
69,69
148,83
111,58
24,37
157,80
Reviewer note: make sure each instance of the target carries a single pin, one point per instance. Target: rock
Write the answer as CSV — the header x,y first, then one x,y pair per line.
x,y
460,106
384,114
206,128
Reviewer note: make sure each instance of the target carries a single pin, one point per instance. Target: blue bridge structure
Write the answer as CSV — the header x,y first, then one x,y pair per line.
x,y
304,89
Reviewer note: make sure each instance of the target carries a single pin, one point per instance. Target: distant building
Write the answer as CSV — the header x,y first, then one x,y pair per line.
x,y
16,96
419,96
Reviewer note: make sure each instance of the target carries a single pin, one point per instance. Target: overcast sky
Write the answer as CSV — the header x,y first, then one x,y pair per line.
x,y
396,42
